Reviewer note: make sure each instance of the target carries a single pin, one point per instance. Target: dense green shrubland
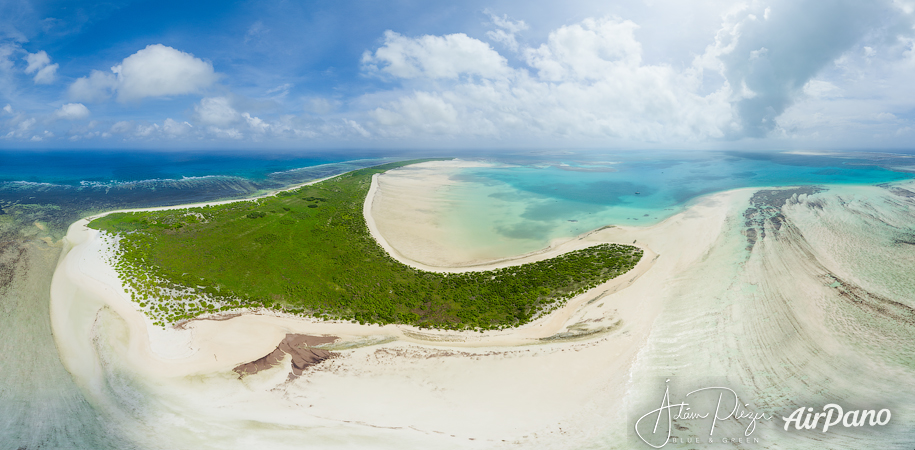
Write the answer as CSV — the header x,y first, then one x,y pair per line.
x,y
309,252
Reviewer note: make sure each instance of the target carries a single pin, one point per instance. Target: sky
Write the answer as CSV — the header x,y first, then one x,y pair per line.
x,y
671,74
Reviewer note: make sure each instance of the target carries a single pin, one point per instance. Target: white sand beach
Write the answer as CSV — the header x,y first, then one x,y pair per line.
x,y
562,381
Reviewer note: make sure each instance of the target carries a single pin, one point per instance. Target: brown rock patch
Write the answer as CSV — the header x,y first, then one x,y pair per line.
x,y
297,345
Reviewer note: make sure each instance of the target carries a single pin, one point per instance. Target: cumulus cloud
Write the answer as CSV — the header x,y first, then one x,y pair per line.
x,y
772,68
256,124
98,86
448,56
505,31
587,51
36,61
224,121
155,71
216,111
174,128
588,81
72,111
20,127
225,133
46,74
40,64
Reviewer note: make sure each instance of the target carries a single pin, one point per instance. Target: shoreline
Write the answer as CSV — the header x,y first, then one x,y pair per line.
x,y
82,269
544,327
532,332
584,350
562,381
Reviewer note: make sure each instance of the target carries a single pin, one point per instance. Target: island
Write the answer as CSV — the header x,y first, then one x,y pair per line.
x,y
308,251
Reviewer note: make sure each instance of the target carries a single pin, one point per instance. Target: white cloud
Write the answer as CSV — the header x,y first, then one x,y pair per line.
x,y
256,123
155,71
216,111
589,82
230,133
159,70
8,108
144,130
72,111
120,127
448,56
46,74
775,69
36,61
422,112
587,51
40,64
45,134
505,31
96,87
822,89
358,128
20,127
174,128
224,121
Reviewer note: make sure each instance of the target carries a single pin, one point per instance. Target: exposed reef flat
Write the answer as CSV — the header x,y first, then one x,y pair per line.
x,y
768,320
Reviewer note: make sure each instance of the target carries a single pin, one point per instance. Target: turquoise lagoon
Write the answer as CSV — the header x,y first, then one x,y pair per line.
x,y
520,204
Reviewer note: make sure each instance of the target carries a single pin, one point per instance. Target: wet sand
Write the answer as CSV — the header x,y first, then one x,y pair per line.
x,y
699,304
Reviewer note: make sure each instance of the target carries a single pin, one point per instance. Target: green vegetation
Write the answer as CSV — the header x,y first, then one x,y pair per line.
x,y
308,251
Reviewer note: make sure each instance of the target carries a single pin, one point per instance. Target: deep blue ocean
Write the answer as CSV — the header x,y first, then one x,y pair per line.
x,y
79,167
86,181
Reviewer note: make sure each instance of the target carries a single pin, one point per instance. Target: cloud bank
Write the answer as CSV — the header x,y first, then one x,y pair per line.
x,y
797,72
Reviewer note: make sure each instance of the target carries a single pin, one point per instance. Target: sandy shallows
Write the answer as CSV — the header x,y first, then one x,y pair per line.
x,y
560,381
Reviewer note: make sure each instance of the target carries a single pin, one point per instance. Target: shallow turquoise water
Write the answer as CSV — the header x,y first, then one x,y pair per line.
x,y
521,205
525,202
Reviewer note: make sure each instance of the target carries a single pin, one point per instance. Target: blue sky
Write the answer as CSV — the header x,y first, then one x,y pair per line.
x,y
799,74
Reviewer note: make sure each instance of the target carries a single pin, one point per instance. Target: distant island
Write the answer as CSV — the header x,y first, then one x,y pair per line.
x,y
308,252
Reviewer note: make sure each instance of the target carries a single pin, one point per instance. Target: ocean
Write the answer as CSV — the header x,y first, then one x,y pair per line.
x,y
520,203
524,202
